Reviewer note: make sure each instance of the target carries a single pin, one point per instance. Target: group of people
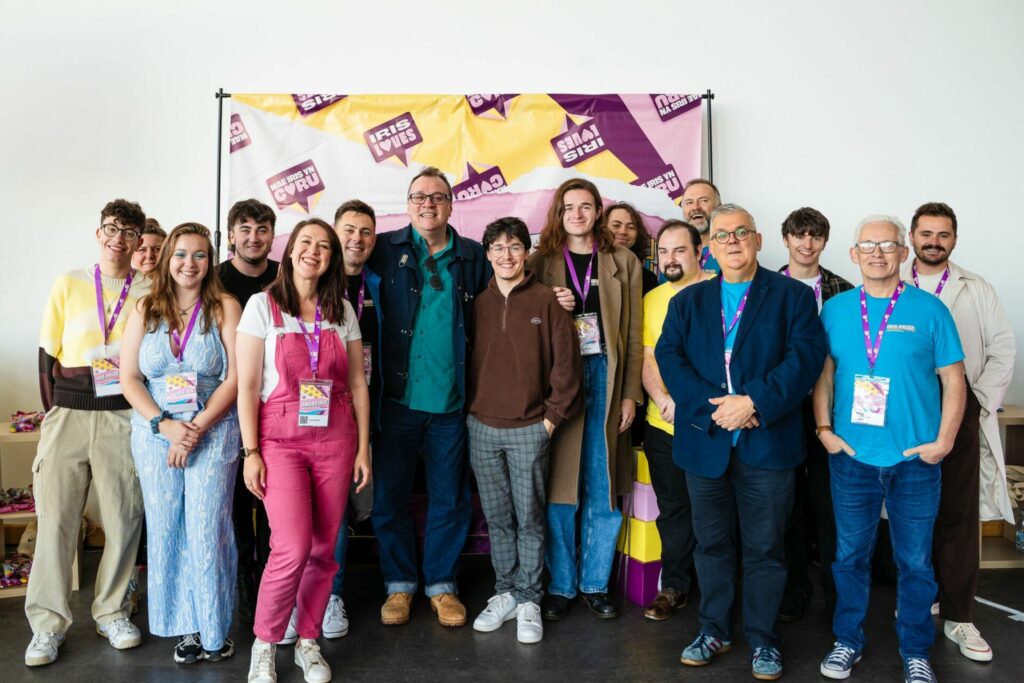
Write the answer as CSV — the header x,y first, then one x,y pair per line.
x,y
235,406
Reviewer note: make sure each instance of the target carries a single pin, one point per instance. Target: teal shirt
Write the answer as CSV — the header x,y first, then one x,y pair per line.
x,y
432,385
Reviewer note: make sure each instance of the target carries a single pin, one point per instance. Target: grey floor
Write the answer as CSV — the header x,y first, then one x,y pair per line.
x,y
581,647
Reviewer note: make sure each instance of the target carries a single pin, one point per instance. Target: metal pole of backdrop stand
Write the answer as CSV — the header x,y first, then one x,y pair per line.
x,y
707,97
220,95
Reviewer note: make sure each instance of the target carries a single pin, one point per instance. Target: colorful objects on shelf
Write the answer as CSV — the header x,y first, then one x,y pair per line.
x,y
26,422
16,500
15,570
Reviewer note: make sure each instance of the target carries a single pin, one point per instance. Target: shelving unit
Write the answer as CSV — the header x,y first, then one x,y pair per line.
x,y
1000,552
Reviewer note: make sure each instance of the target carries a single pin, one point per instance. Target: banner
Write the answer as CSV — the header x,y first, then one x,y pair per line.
x,y
504,155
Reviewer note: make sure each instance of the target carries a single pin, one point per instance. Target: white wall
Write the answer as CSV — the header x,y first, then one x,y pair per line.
x,y
853,108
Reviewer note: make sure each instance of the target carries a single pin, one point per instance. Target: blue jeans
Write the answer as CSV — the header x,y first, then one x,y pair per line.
x,y
761,499
599,527
340,549
441,439
910,490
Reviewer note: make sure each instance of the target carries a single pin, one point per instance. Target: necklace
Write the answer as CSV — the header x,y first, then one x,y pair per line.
x,y
184,311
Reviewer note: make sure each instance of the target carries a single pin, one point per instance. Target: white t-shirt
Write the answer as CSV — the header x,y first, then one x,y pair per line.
x,y
811,282
257,321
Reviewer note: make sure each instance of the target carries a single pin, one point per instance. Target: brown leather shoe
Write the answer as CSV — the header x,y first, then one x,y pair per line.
x,y
664,604
450,610
395,610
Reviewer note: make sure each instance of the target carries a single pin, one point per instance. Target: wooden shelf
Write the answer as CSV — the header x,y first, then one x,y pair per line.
x,y
13,592
1000,553
8,438
22,516
1011,416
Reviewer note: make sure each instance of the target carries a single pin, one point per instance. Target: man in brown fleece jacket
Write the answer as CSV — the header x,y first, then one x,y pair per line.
x,y
524,381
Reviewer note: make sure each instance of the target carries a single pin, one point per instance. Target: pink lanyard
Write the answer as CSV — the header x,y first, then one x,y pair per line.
x,y
180,342
942,280
312,340
105,326
873,349
585,289
817,285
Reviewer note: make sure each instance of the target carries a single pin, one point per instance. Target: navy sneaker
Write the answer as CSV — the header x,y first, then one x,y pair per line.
x,y
918,670
766,664
188,650
838,663
703,649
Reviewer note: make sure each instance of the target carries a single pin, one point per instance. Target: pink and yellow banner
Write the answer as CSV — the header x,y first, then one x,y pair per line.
x,y
504,154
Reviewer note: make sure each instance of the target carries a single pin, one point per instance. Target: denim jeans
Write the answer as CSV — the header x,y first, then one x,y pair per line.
x,y
599,526
441,438
910,490
340,549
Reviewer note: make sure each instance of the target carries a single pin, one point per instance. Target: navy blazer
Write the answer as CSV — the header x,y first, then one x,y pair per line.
x,y
778,354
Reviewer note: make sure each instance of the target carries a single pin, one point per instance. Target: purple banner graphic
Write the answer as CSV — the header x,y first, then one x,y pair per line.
x,y
483,103
311,104
296,185
476,184
238,135
578,143
393,138
667,181
671,106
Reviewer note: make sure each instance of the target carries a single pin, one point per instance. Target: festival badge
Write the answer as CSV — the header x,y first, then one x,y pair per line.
x,y
182,395
314,402
106,377
870,395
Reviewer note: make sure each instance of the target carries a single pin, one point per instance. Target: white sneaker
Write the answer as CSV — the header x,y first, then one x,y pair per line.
x,y
261,665
314,667
500,608
335,619
43,649
122,633
972,645
935,609
529,628
291,634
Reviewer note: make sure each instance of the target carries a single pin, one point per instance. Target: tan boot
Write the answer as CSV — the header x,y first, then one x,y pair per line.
x,y
395,610
450,610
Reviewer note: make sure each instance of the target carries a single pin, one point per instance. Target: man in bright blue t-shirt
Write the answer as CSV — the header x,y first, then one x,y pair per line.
x,y
881,416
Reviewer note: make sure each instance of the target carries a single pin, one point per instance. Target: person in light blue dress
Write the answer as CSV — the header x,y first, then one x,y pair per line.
x,y
177,371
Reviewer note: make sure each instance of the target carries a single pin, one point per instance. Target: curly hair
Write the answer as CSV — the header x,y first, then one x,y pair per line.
x,y
553,236
329,289
129,214
642,246
161,305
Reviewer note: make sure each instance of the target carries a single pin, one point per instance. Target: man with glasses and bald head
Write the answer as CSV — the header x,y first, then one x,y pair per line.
x,y
887,405
429,280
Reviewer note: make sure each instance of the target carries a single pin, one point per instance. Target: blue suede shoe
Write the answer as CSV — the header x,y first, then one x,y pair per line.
x,y
766,663
702,650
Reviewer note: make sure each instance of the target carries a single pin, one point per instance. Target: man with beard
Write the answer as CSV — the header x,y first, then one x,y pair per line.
x,y
250,236
700,198
989,352
678,249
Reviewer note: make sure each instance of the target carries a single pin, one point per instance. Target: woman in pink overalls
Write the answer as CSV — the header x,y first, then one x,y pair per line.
x,y
304,413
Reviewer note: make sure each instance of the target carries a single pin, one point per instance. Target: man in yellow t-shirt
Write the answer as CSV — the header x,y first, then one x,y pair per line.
x,y
678,250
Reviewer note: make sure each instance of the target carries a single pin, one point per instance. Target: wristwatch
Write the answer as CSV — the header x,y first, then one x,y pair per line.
x,y
246,452
823,428
154,424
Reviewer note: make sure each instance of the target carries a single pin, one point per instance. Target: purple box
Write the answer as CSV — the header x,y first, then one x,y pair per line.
x,y
638,581
645,503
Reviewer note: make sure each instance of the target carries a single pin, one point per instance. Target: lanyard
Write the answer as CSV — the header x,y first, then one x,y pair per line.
x,y
704,256
585,289
817,285
180,342
312,340
942,280
873,349
361,298
105,326
736,318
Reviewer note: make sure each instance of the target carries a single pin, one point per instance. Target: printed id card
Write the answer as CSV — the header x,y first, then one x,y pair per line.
x,y
870,394
314,402
181,393
367,362
589,332
106,377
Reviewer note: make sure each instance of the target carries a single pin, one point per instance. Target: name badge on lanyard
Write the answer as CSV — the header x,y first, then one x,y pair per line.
x,y
314,394
182,387
587,327
106,371
871,392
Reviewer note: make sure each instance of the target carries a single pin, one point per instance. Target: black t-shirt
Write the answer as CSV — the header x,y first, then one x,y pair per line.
x,y
244,286
367,321
580,262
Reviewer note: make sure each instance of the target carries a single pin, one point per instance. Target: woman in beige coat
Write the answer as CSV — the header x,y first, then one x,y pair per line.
x,y
591,459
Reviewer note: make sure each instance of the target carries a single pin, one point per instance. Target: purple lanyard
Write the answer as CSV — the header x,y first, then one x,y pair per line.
x,y
180,342
704,256
817,285
873,349
942,280
105,326
736,318
361,299
585,289
312,340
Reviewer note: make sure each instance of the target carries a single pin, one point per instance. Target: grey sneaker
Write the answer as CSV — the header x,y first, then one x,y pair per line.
x,y
766,664
43,649
335,619
703,649
121,633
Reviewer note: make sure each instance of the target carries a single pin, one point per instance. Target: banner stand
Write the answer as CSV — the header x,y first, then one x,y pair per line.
x,y
707,97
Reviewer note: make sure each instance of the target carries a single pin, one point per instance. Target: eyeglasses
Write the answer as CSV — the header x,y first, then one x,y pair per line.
x,y
513,249
887,247
435,279
741,234
436,198
111,230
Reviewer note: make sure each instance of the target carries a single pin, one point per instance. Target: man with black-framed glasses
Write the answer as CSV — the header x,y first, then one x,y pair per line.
x,y
430,277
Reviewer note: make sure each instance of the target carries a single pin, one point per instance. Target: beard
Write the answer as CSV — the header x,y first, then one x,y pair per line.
x,y
673,273
932,260
698,219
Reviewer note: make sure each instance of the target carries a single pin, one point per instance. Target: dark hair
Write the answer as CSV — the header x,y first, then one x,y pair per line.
x,y
642,246
356,206
431,172
152,227
703,181
806,221
329,288
130,214
159,305
936,209
675,224
511,227
552,237
251,209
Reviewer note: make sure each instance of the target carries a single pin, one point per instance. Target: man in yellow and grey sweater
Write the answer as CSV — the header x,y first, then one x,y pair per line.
x,y
85,440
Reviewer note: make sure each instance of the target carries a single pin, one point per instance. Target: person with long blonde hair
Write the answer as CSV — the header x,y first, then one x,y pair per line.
x,y
178,373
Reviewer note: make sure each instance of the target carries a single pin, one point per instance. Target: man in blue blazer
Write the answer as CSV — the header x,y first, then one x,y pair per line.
x,y
738,354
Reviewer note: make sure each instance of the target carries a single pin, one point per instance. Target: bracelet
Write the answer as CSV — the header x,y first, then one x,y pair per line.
x,y
823,428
